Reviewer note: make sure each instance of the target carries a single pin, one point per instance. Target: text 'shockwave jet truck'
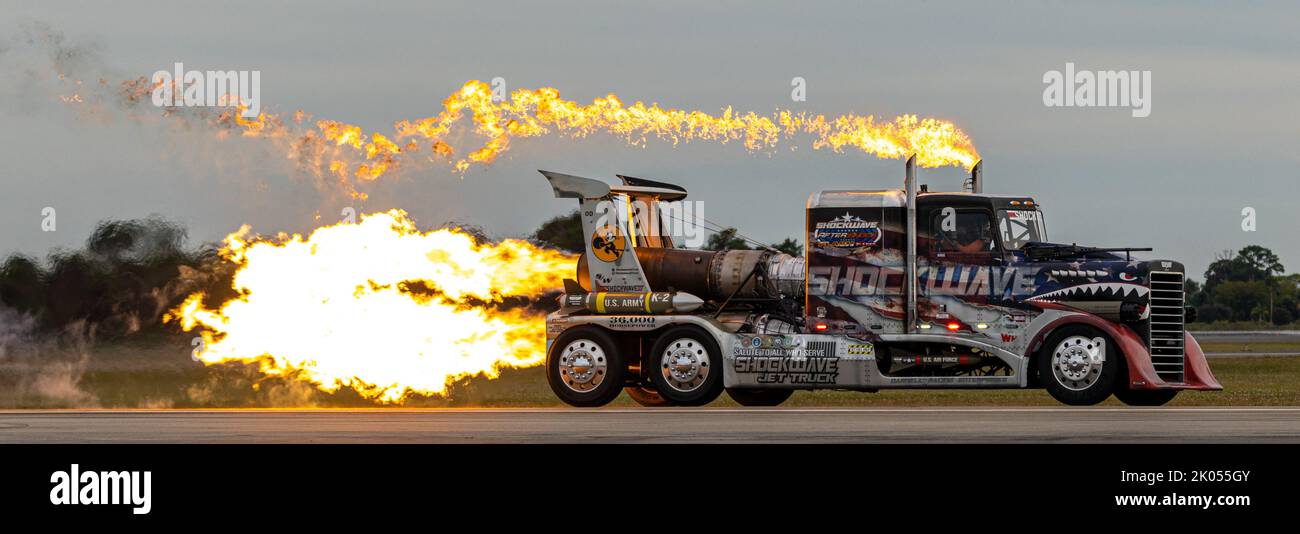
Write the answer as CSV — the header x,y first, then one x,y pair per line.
x,y
897,289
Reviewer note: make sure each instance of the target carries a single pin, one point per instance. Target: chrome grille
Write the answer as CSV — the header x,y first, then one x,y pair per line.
x,y
1166,325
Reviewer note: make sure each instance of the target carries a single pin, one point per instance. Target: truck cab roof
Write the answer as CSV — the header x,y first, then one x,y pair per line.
x,y
972,200
897,198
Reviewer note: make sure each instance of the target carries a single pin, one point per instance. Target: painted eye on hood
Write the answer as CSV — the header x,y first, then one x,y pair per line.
x,y
1127,277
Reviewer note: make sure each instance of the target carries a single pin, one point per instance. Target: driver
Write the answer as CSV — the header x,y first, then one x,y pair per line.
x,y
975,238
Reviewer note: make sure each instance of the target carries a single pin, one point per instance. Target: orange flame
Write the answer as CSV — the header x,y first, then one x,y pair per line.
x,y
378,306
345,152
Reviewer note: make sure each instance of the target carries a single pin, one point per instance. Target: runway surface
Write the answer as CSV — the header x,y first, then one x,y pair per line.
x,y
677,425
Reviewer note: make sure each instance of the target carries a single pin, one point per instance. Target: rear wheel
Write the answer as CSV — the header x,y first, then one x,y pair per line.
x,y
584,368
687,366
759,397
646,396
1145,397
1077,365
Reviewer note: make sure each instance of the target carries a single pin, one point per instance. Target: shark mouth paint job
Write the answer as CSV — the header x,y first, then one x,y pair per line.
x,y
1094,291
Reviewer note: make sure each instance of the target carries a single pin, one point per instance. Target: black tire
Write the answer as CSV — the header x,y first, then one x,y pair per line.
x,y
759,397
1095,382
646,396
597,387
700,354
1145,397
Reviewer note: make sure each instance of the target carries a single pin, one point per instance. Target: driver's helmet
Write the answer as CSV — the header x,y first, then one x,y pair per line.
x,y
971,233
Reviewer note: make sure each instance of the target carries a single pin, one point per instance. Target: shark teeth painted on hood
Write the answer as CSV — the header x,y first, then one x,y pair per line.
x,y
1101,289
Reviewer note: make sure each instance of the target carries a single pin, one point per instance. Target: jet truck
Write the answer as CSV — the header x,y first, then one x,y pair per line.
x,y
897,288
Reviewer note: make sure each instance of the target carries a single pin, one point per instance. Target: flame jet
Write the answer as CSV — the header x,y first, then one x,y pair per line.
x,y
344,153
378,306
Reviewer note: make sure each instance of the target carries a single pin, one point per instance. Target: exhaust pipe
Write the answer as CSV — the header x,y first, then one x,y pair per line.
x,y
975,184
909,183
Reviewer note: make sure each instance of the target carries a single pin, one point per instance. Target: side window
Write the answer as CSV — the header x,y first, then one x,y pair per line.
x,y
962,232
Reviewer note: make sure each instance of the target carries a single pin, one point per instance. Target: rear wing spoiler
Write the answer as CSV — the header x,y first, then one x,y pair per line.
x,y
642,182
570,186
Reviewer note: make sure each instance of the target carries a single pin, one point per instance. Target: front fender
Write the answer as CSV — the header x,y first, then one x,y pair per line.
x,y
1196,370
1141,373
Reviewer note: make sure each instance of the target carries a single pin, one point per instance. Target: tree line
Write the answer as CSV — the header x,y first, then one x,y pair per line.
x,y
1249,285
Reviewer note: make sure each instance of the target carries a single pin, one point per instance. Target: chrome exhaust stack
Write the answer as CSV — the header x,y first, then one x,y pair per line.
x,y
975,184
909,183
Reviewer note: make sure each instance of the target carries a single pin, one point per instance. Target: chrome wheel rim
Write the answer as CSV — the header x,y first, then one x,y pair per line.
x,y
1077,362
685,364
583,365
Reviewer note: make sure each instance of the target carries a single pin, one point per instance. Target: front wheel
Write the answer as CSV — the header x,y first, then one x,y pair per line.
x,y
1145,397
1077,365
687,366
759,397
584,367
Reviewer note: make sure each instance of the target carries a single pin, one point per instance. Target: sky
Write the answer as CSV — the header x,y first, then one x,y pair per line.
x,y
1221,136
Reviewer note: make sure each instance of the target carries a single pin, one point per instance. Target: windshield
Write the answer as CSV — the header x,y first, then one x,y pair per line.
x,y
1021,226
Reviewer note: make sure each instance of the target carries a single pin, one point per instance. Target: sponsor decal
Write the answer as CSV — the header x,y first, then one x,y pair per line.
x,y
936,380
862,349
616,288
632,322
607,244
946,279
605,282
1023,215
786,360
846,231
931,360
787,370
